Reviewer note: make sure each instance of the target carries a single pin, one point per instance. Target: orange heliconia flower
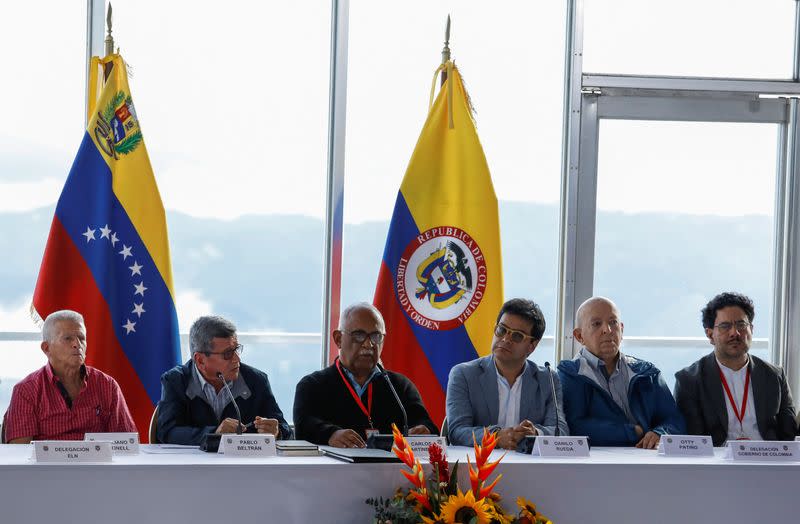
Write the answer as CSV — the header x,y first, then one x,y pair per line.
x,y
483,468
404,452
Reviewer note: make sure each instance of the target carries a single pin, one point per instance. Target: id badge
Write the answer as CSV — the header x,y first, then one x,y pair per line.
x,y
371,431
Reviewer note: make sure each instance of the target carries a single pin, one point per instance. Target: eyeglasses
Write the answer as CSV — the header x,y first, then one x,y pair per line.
x,y
516,336
228,353
740,325
359,336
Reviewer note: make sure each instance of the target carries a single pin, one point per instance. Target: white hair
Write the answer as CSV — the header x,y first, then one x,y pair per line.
x,y
65,315
359,306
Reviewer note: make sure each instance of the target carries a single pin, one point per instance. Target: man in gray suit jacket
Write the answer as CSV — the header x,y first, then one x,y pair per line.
x,y
504,391
730,394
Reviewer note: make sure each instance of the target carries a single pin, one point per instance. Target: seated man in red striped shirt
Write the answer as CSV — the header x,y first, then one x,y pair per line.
x,y
65,398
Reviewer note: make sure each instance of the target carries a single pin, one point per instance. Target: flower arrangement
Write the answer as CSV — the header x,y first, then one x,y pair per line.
x,y
439,500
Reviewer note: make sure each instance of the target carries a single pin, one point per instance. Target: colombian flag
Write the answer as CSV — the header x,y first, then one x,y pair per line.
x,y
107,255
440,284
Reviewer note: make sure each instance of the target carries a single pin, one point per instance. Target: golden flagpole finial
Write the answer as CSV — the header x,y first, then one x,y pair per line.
x,y
446,49
109,41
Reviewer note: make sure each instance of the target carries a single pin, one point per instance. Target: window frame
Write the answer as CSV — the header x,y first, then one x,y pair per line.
x,y
591,97
587,98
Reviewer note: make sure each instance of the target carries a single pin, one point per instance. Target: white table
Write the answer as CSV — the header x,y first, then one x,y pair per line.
x,y
614,485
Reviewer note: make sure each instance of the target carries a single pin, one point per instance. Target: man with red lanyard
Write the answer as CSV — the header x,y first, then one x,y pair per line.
x,y
730,394
65,398
344,403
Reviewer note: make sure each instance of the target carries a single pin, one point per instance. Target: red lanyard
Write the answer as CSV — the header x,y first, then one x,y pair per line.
x,y
366,410
739,416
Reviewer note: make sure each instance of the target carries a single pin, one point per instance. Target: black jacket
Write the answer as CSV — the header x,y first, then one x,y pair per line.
x,y
323,405
184,416
701,399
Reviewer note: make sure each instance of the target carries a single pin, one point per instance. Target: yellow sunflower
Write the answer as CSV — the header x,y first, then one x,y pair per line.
x,y
462,508
499,517
528,512
526,505
434,520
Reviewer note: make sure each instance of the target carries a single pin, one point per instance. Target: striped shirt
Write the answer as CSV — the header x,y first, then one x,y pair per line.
x,y
218,400
41,409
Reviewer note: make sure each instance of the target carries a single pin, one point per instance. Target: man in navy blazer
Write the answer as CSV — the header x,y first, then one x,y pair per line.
x,y
194,400
505,392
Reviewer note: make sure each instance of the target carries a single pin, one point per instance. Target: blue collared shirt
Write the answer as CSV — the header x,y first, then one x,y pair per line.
x,y
219,400
360,389
615,384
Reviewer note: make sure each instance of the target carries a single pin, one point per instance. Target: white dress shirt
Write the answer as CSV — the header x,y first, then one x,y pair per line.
x,y
749,426
509,397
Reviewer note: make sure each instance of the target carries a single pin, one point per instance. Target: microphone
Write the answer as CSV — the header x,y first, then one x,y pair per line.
x,y
385,375
239,427
555,398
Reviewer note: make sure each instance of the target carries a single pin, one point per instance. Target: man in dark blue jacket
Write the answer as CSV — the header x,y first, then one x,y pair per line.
x,y
614,399
195,402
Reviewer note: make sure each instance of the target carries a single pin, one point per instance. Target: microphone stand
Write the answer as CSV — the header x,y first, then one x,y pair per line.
x,y
385,376
555,398
239,427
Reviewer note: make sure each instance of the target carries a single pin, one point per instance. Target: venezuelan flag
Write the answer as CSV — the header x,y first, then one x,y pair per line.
x,y
107,255
440,284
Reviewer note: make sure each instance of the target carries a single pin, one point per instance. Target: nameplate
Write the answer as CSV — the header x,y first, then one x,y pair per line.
x,y
250,445
548,446
420,443
71,451
121,443
686,446
763,450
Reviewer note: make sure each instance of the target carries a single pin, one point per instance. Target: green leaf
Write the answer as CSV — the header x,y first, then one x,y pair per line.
x,y
452,486
129,143
108,112
433,492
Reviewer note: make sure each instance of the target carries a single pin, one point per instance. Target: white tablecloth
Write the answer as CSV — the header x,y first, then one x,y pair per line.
x,y
613,485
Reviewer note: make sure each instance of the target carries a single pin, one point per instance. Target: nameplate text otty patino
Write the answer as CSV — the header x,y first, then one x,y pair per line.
x,y
686,446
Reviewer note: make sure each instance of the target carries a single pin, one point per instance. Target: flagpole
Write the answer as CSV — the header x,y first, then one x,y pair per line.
x,y
94,40
446,49
109,41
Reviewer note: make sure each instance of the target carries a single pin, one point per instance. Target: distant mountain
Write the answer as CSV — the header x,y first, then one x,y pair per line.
x,y
265,271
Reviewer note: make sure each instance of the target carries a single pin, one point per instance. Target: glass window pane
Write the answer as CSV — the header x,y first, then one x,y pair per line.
x,y
234,104
685,211
43,113
287,358
721,38
670,355
20,357
511,60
